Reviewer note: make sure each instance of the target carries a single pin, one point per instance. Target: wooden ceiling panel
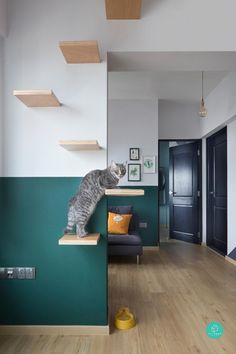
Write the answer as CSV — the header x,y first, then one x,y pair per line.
x,y
123,9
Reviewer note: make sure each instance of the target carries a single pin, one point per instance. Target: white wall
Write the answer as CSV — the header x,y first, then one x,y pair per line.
x,y
133,123
34,61
3,32
3,18
178,120
221,105
178,25
1,103
166,19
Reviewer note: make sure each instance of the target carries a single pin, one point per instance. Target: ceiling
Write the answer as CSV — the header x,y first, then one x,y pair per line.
x,y
169,85
172,76
171,61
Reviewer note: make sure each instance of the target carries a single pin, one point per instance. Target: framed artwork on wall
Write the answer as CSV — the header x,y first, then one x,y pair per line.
x,y
134,172
134,154
149,164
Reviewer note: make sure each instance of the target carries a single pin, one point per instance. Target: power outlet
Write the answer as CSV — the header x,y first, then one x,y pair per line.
x,y
17,273
30,273
142,225
10,273
20,273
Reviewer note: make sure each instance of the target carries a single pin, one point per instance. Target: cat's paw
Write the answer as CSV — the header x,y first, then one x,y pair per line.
x,y
82,234
68,232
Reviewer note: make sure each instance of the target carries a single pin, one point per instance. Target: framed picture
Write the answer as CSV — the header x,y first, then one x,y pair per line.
x,y
134,172
134,154
149,164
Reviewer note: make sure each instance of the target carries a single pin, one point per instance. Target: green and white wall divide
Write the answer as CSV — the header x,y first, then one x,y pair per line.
x,y
38,177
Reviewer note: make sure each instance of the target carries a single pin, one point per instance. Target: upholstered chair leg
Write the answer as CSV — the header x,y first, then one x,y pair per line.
x,y
138,259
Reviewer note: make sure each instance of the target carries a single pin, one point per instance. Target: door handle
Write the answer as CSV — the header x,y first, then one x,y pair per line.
x,y
211,192
172,193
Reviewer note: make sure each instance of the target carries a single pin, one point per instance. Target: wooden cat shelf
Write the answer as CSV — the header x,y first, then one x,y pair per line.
x,y
123,9
77,145
37,98
124,192
80,52
89,240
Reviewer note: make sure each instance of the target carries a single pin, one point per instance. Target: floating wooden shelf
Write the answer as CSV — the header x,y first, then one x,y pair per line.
x,y
80,51
123,9
89,240
76,145
37,98
124,192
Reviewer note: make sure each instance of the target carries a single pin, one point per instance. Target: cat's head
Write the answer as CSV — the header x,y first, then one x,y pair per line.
x,y
118,169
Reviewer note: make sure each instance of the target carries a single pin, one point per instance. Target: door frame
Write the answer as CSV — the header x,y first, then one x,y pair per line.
x,y
207,185
199,141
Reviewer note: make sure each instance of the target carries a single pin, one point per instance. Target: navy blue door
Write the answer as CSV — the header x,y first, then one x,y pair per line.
x,y
217,191
185,193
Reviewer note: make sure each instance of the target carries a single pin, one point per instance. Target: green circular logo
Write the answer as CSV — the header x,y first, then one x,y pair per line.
x,y
214,330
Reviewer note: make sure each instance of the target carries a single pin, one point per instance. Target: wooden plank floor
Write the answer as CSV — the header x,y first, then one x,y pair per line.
x,y
174,293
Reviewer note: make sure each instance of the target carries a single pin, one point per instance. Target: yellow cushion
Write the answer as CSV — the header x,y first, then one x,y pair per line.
x,y
118,223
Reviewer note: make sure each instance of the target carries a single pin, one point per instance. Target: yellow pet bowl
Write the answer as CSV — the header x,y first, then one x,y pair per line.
x,y
124,319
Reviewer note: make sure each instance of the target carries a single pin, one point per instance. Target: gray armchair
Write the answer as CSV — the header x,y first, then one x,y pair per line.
x,y
126,245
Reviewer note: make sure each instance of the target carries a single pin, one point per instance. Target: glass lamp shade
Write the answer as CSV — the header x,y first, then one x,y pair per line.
x,y
202,111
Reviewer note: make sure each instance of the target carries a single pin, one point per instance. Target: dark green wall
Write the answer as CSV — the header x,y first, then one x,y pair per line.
x,y
71,281
147,209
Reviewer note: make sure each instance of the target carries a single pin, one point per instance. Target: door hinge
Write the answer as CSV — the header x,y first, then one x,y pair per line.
x,y
198,152
199,193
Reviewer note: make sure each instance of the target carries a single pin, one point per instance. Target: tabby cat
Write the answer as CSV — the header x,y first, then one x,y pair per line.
x,y
91,190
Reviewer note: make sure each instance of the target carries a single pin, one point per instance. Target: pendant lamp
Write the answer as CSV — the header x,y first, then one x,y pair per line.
x,y
202,111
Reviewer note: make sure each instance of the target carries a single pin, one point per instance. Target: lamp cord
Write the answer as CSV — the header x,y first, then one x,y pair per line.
x,y
202,84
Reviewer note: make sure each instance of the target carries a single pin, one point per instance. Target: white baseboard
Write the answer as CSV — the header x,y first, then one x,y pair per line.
x,y
211,249
164,226
229,259
55,330
151,248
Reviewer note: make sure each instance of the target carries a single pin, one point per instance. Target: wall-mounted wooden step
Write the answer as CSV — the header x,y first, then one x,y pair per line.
x,y
124,192
76,145
89,240
123,9
37,98
80,51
